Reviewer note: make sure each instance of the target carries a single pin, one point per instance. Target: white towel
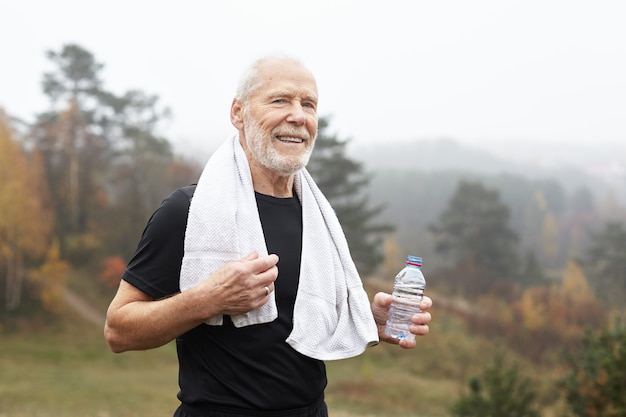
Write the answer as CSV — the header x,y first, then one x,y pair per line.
x,y
332,315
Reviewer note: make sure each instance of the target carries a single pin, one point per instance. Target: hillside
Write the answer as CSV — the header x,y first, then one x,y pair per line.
x,y
62,367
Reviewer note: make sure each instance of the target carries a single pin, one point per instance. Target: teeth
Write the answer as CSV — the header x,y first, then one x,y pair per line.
x,y
289,139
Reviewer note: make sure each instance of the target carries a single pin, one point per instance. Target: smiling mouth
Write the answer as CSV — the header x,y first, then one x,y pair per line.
x,y
290,139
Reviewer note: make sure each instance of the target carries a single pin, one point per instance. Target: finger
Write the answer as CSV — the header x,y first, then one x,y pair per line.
x,y
421,318
264,263
267,290
426,303
265,273
407,344
420,330
382,299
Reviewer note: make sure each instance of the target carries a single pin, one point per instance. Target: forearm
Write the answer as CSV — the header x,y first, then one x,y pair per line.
x,y
135,321
145,324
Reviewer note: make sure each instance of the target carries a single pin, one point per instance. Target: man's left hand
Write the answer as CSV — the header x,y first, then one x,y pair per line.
x,y
380,308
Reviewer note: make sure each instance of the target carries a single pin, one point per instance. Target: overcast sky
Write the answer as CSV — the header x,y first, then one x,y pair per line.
x,y
476,71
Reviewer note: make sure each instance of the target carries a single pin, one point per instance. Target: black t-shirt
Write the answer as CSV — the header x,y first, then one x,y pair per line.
x,y
251,367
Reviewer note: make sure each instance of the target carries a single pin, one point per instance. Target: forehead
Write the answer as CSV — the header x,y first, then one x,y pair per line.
x,y
285,76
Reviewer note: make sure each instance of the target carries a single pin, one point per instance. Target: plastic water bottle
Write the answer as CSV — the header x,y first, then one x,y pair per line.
x,y
408,290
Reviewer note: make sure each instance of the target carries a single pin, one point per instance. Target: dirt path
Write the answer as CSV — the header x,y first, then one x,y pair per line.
x,y
82,307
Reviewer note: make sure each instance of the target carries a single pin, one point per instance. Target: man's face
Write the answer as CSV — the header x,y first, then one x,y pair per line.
x,y
280,118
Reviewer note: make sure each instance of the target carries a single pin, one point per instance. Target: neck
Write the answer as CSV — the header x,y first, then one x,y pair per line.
x,y
270,183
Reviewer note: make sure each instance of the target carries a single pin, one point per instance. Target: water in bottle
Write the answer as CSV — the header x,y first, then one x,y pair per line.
x,y
408,291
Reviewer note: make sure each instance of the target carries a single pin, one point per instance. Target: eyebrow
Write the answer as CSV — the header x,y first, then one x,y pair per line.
x,y
289,93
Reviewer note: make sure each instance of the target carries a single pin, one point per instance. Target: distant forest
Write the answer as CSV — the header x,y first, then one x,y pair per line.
x,y
554,211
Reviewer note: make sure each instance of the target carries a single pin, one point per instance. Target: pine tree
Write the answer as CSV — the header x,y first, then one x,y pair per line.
x,y
105,164
69,137
607,262
500,392
343,182
596,381
474,233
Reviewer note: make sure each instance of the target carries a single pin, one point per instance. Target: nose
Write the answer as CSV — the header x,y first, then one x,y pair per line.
x,y
297,114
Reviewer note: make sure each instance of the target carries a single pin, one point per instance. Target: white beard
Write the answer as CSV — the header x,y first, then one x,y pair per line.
x,y
264,152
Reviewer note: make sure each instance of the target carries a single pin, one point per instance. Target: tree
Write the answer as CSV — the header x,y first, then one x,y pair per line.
x,y
71,138
553,195
139,161
500,392
473,231
25,223
342,180
104,157
549,243
556,314
112,271
595,383
77,77
50,279
606,262
532,274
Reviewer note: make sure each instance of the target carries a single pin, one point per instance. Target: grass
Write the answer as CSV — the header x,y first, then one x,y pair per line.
x,y
389,381
62,367
65,370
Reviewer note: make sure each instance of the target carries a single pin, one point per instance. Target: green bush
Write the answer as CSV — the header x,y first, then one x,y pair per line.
x,y
595,384
500,392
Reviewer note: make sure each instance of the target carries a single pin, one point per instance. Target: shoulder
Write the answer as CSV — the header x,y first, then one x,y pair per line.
x,y
186,191
155,266
174,208
183,194
179,199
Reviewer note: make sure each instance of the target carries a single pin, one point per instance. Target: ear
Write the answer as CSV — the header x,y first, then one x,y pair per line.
x,y
236,114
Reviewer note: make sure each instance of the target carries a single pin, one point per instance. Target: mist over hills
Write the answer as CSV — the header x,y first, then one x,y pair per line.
x,y
601,169
428,155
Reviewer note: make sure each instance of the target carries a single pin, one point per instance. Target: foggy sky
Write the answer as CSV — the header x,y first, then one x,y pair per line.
x,y
518,72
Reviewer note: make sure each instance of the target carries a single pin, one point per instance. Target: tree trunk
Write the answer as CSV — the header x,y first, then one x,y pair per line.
x,y
14,281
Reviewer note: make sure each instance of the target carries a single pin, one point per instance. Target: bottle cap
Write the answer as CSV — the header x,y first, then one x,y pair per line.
x,y
414,260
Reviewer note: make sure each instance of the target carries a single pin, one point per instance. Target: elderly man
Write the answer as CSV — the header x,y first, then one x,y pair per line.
x,y
249,269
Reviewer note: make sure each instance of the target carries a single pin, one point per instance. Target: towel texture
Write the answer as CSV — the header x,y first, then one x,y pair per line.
x,y
332,315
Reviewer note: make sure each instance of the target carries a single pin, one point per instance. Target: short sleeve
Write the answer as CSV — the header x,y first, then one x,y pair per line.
x,y
155,266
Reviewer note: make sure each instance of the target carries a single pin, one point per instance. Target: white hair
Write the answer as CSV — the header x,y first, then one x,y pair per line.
x,y
250,80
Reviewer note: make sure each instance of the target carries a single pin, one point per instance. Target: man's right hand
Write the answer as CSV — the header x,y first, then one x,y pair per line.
x,y
238,287
135,321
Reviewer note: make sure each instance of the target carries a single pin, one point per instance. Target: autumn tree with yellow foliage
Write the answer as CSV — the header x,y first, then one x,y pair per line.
x,y
25,221
559,313
50,279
